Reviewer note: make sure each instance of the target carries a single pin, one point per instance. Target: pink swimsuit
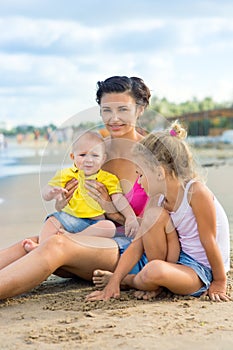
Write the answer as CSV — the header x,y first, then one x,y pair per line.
x,y
137,198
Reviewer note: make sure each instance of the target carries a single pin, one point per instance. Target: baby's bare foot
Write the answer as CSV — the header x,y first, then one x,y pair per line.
x,y
101,278
29,245
147,295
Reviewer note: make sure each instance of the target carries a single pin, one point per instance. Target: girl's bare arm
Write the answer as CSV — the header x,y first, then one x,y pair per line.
x,y
202,203
127,261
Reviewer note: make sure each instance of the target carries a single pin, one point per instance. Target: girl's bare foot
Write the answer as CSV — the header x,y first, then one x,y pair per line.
x,y
29,245
101,278
147,295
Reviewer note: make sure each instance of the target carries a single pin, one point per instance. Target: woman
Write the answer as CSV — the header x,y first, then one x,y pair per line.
x,y
122,100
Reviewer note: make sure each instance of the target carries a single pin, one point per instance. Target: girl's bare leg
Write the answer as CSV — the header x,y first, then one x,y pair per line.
x,y
154,243
13,253
147,295
177,278
80,256
158,272
153,230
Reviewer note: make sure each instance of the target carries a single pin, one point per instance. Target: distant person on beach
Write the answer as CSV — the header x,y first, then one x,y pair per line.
x,y
167,169
49,135
19,138
82,211
122,101
3,143
36,133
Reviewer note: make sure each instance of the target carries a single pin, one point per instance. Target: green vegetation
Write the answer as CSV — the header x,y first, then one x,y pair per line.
x,y
171,109
28,129
162,109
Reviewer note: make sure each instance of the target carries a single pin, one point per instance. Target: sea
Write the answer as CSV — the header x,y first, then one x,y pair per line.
x,y
11,164
10,161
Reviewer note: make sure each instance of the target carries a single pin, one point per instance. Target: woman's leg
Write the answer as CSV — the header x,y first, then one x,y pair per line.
x,y
50,227
80,255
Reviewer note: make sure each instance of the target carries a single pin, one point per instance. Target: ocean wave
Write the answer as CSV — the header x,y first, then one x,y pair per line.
x,y
26,169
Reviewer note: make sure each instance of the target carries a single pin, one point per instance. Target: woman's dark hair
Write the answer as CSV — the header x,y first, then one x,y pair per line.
x,y
119,84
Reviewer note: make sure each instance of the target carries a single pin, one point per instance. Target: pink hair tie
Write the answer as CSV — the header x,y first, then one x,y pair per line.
x,y
173,132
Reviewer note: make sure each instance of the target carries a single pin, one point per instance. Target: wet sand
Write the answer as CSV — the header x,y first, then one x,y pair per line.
x,y
55,316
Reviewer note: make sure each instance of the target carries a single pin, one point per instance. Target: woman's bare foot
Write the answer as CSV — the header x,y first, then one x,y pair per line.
x,y
147,295
101,278
29,245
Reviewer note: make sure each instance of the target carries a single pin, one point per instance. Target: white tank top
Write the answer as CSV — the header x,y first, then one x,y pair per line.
x,y
185,223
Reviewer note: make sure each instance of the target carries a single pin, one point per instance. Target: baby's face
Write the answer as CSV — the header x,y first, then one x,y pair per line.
x,y
89,156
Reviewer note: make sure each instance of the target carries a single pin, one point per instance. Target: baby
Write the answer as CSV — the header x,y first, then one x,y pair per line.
x,y
82,213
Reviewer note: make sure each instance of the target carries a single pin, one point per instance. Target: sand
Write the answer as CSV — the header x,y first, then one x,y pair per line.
x,y
55,316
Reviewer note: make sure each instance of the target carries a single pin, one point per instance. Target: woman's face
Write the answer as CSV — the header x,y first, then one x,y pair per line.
x,y
119,113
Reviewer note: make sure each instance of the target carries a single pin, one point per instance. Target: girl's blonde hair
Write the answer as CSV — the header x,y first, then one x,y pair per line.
x,y
168,149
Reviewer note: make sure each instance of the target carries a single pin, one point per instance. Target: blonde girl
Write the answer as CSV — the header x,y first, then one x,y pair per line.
x,y
169,171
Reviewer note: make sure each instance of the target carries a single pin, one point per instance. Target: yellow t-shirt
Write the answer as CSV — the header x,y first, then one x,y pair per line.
x,y
81,204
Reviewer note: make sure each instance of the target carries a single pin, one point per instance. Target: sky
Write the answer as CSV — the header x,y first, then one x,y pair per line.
x,y
53,52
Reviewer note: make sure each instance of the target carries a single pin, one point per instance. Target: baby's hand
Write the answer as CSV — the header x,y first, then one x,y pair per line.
x,y
57,192
131,226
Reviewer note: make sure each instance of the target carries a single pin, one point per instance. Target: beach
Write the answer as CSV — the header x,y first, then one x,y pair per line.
x,y
55,316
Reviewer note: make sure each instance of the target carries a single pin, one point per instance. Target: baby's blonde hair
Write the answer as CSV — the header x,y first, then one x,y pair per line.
x,y
88,135
168,148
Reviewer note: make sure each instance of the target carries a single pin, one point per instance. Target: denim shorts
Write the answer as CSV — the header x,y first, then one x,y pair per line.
x,y
203,272
123,243
72,223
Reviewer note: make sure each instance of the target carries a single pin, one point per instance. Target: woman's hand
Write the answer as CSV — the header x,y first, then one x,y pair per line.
x,y
99,192
66,197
